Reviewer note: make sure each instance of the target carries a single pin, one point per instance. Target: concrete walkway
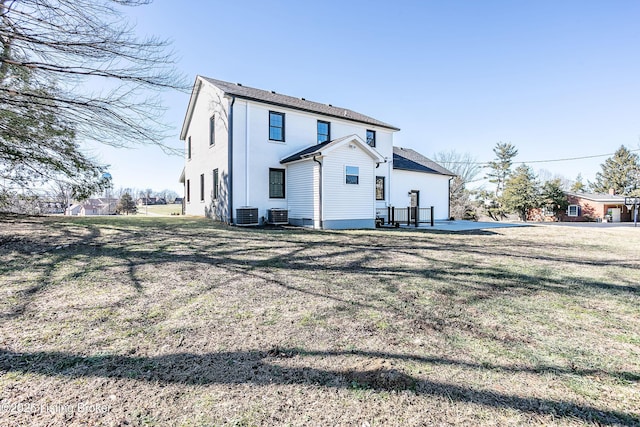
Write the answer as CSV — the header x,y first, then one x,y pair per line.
x,y
460,225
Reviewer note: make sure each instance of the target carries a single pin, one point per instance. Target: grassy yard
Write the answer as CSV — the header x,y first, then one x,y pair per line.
x,y
178,321
160,210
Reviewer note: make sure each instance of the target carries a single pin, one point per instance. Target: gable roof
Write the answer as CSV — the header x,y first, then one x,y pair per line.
x,y
410,160
598,197
318,149
273,98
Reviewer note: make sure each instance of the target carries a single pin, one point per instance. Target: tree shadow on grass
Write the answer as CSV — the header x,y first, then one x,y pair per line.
x,y
261,368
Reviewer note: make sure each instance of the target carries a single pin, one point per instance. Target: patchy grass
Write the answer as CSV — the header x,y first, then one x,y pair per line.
x,y
178,321
160,210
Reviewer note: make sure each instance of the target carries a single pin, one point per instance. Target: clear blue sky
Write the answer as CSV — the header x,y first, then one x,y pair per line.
x,y
557,79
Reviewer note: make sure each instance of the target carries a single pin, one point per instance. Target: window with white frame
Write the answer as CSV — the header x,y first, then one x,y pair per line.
x,y
352,174
379,187
573,210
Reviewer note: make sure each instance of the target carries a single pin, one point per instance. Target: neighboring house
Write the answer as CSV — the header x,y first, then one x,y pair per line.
x,y
101,206
596,207
328,167
177,201
74,209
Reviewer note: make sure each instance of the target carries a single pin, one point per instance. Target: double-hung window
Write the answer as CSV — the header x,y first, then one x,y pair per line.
x,y
215,184
188,190
276,126
371,137
352,174
573,210
324,131
189,148
276,183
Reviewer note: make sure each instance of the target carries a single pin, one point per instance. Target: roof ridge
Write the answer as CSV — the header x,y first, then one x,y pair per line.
x,y
288,101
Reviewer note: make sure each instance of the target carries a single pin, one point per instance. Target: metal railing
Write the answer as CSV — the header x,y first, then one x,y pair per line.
x,y
405,216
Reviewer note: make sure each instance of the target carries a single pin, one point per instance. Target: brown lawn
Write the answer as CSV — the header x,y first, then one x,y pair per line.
x,y
178,321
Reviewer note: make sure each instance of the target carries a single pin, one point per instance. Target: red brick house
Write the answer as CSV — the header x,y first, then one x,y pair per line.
x,y
595,207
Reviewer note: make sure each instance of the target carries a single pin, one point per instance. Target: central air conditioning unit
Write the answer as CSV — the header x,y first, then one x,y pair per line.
x,y
278,216
247,215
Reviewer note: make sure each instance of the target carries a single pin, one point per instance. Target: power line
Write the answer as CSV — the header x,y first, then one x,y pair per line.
x,y
542,161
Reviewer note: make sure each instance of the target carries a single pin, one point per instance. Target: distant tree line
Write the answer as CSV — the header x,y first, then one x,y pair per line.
x,y
519,190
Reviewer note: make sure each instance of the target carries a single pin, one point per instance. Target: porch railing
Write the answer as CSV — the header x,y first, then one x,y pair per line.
x,y
405,216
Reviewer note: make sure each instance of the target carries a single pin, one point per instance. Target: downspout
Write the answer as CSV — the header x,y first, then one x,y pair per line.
x,y
449,198
230,157
320,189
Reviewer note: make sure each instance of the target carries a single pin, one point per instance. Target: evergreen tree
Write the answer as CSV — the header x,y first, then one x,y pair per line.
x,y
553,197
127,205
521,192
499,172
500,168
621,172
578,186
37,144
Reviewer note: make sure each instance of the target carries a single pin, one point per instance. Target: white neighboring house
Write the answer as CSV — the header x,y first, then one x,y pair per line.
x,y
328,166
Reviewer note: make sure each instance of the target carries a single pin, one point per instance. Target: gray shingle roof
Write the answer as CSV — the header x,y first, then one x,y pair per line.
x,y
598,197
317,148
277,99
408,159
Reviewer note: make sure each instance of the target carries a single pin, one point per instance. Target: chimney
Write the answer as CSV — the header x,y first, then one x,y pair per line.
x,y
612,191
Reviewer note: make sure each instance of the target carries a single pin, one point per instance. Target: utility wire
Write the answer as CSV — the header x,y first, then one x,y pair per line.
x,y
541,161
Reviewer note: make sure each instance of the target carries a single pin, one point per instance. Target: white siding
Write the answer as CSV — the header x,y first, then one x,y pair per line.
x,y
434,191
303,192
342,201
206,158
251,165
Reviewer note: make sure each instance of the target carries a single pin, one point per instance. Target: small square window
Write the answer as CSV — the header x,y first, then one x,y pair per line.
x,y
371,137
352,174
276,126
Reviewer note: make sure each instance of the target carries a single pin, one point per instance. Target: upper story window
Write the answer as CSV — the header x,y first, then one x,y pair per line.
x,y
276,126
188,147
352,174
379,187
371,137
324,131
212,130
276,183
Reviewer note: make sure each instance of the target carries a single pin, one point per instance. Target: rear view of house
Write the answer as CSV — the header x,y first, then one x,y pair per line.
x,y
254,156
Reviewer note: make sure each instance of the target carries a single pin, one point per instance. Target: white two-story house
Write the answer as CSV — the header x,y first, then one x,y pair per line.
x,y
251,150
